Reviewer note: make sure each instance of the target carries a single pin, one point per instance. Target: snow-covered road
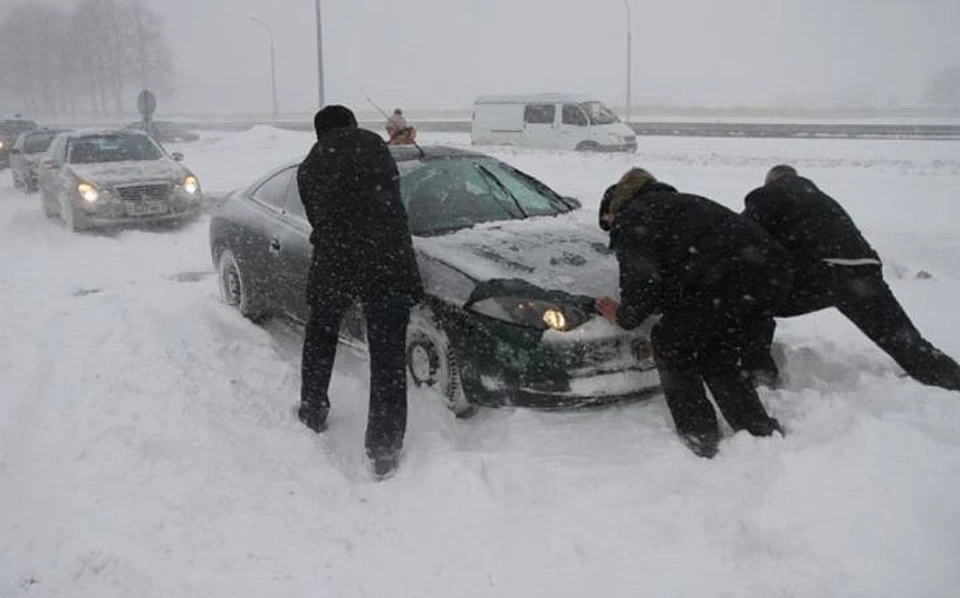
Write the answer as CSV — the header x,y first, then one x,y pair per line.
x,y
148,445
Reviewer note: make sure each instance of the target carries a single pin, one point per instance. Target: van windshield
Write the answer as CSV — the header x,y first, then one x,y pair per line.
x,y
599,114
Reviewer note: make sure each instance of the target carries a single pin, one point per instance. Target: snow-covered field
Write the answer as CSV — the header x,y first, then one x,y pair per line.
x,y
148,446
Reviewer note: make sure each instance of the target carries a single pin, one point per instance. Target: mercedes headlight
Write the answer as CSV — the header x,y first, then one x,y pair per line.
x,y
88,192
542,315
190,184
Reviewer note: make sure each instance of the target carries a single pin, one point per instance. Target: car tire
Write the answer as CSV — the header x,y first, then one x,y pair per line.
x,y
234,290
432,362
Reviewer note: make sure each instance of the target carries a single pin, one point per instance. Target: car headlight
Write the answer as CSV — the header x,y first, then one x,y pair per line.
x,y
190,184
88,192
1,144
614,138
534,313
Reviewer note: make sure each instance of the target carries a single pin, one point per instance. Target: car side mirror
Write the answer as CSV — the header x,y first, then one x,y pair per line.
x,y
177,156
49,164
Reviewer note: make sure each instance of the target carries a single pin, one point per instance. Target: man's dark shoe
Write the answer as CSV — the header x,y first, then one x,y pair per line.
x,y
703,444
314,417
384,465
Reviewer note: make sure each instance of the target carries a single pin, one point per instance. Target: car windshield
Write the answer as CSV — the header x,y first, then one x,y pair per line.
x,y
599,114
448,194
37,143
112,148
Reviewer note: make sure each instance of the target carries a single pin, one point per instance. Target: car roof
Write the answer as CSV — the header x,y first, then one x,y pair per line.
x,y
407,153
102,131
412,153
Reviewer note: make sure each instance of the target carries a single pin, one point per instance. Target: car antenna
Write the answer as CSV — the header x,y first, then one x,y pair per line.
x,y
380,110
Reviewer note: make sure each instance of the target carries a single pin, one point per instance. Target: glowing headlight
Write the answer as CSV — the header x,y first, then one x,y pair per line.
x,y
1,144
531,312
554,318
191,185
88,192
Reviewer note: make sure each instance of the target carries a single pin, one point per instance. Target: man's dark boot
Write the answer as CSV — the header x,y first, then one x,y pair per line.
x,y
739,403
703,444
314,415
692,412
384,464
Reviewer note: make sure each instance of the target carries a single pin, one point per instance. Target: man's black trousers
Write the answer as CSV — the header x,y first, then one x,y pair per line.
x,y
860,294
693,347
386,317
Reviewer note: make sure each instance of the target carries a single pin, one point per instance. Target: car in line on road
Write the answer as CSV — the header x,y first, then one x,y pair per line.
x,y
10,129
26,154
510,270
108,177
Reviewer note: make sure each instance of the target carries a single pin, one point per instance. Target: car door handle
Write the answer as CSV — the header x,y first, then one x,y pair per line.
x,y
275,245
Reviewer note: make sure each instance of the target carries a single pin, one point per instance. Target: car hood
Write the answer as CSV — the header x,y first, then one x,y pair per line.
x,y
567,253
113,173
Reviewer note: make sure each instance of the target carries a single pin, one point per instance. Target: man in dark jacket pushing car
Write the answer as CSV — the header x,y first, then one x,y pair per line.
x,y
362,252
834,266
715,277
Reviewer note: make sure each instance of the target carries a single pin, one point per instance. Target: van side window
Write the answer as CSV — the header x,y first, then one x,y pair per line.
x,y
539,114
572,115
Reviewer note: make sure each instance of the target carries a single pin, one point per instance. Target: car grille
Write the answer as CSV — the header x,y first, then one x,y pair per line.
x,y
144,192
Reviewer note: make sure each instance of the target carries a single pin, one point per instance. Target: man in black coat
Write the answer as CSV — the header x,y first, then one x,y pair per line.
x,y
362,252
715,277
834,266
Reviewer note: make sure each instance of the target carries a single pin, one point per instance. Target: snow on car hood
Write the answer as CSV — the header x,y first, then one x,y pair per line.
x,y
113,173
563,253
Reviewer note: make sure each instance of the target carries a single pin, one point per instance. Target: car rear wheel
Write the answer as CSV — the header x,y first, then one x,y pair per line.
x,y
234,290
432,362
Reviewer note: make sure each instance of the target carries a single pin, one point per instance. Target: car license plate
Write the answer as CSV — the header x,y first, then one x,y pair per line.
x,y
146,208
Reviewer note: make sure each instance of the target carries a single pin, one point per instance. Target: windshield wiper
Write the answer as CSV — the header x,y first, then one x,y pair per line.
x,y
503,188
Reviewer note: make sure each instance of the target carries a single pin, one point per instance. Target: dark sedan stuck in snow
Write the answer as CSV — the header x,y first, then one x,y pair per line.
x,y
510,270
114,177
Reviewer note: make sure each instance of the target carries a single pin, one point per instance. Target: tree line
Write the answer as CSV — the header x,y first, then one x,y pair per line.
x,y
94,57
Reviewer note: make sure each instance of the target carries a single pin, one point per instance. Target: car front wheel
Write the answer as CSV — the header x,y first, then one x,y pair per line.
x,y
432,363
234,290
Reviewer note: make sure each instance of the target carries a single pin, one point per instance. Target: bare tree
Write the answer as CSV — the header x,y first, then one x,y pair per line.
x,y
105,50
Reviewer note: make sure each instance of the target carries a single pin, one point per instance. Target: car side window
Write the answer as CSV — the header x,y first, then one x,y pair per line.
x,y
539,114
273,191
58,149
572,115
294,205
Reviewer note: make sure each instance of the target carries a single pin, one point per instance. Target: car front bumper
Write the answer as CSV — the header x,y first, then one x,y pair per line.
x,y
117,212
504,364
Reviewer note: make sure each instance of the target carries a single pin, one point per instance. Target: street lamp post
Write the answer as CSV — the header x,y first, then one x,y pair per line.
x,y
319,55
629,56
273,65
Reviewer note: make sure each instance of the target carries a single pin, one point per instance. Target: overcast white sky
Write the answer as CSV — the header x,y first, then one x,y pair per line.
x,y
441,53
